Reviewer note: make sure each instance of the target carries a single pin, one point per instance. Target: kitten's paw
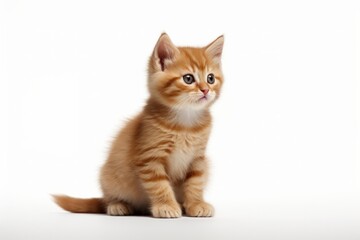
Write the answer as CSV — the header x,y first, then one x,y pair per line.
x,y
200,209
119,209
166,210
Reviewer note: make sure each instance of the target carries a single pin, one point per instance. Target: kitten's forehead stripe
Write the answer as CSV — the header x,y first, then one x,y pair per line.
x,y
191,60
195,57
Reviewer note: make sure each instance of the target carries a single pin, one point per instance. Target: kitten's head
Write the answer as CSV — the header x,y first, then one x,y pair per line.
x,y
185,77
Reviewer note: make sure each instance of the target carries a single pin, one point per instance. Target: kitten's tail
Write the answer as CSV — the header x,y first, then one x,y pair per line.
x,y
80,205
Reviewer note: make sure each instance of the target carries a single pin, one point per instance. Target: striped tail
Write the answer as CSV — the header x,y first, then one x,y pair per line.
x,y
80,205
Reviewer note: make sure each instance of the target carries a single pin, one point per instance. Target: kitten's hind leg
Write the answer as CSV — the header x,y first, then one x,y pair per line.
x,y
119,208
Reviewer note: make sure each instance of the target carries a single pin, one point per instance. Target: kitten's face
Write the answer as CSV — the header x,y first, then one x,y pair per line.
x,y
184,77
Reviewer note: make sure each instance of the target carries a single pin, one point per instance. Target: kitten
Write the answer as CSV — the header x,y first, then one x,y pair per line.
x,y
157,162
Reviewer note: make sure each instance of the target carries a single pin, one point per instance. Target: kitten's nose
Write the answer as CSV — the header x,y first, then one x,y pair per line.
x,y
204,91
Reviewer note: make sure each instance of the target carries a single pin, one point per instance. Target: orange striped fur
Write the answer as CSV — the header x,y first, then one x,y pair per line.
x,y
157,161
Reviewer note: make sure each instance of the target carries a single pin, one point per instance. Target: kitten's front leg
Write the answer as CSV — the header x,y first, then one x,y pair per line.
x,y
156,183
193,188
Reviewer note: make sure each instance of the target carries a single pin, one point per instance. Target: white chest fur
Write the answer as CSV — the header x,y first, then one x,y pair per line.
x,y
187,116
181,158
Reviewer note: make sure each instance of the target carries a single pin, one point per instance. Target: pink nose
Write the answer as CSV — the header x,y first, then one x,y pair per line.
x,y
204,91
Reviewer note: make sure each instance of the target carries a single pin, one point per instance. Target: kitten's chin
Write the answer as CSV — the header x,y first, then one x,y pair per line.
x,y
205,101
194,103
200,104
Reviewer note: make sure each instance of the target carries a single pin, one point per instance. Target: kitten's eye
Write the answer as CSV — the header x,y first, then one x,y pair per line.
x,y
188,78
211,78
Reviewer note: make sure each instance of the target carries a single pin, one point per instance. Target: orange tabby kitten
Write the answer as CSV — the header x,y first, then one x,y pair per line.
x,y
157,162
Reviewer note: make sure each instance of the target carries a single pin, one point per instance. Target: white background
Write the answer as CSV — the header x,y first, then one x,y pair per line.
x,y
285,144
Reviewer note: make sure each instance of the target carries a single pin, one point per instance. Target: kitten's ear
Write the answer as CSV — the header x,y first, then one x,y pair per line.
x,y
214,49
165,52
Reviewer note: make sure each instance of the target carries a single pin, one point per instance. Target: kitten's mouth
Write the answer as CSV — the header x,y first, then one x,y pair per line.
x,y
203,98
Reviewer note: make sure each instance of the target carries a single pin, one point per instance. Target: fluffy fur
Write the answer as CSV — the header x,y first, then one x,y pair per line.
x,y
157,161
